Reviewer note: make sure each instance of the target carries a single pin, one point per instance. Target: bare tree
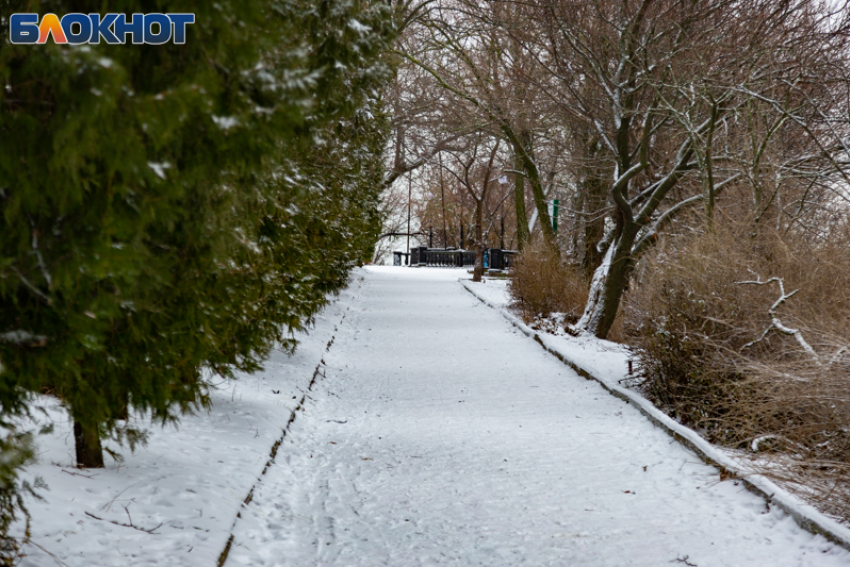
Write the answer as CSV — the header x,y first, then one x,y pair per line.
x,y
649,115
659,85
479,66
477,179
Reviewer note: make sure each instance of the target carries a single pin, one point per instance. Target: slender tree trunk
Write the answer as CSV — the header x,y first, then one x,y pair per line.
x,y
594,224
519,205
577,245
443,199
522,149
88,448
540,203
542,208
478,236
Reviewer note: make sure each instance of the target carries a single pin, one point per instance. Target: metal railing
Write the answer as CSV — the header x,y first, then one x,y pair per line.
x,y
494,258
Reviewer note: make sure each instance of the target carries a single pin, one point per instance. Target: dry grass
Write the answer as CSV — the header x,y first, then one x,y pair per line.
x,y
541,284
714,356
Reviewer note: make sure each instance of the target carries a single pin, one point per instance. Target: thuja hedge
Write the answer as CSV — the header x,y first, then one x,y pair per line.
x,y
172,209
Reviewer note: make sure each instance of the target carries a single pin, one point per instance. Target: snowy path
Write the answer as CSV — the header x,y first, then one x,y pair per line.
x,y
442,436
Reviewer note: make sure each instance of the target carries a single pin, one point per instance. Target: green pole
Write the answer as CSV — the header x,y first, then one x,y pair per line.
x,y
555,204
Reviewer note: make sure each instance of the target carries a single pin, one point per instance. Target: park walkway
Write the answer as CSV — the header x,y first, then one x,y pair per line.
x,y
439,435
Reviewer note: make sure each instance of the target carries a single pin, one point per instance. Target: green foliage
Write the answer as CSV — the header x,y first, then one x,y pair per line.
x,y
170,209
16,450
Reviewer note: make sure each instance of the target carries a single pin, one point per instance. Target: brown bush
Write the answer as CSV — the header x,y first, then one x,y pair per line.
x,y
541,284
717,352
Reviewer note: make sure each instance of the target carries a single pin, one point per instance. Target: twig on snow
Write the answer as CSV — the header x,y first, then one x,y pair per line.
x,y
130,525
78,474
52,556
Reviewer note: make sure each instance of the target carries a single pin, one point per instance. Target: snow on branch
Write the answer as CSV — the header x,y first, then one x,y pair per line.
x,y
775,322
23,338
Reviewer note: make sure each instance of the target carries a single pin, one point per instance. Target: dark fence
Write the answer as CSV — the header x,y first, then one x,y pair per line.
x,y
449,258
494,258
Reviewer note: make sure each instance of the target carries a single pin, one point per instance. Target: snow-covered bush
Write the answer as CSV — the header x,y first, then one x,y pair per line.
x,y
746,337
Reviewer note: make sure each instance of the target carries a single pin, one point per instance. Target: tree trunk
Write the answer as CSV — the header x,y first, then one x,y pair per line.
x,y
478,236
608,284
522,149
519,205
540,203
594,224
87,443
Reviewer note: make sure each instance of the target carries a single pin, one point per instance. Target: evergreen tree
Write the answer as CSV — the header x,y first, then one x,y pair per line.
x,y
161,210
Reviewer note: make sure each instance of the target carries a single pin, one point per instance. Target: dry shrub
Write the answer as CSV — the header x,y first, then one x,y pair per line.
x,y
541,284
713,355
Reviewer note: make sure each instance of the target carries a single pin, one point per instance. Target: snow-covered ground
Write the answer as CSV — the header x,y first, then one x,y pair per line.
x,y
608,364
188,482
438,434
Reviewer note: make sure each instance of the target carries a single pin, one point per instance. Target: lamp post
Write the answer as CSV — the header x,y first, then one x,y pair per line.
x,y
503,180
409,197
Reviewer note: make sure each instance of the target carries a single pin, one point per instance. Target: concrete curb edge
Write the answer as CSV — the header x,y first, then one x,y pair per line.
x,y
804,514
